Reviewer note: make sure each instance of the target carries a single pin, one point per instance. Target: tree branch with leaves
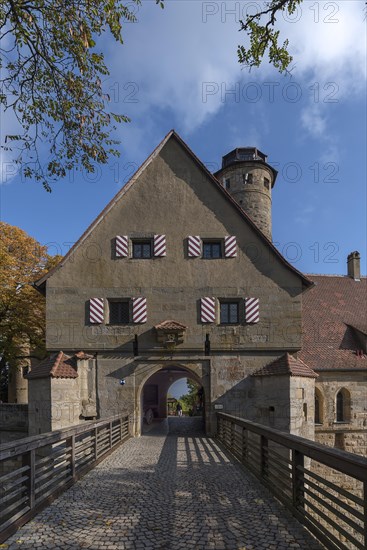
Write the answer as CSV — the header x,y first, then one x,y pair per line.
x,y
51,78
261,28
264,37
22,308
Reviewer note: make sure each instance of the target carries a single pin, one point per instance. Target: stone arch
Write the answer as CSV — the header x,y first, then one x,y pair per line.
x,y
176,371
342,405
319,406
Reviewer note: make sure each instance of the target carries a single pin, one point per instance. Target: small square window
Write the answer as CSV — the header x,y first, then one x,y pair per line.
x,y
142,249
212,249
229,313
119,312
266,183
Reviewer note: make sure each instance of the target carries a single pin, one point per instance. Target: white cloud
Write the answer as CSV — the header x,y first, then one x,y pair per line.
x,y
172,57
176,54
328,44
313,120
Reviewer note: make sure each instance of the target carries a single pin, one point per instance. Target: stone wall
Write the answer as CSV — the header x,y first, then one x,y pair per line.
x,y
351,434
13,421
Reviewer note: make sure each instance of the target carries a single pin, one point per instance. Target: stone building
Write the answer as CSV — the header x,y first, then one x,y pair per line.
x,y
335,346
178,277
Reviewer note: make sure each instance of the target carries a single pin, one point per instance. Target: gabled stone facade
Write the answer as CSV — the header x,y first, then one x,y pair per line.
x,y
174,279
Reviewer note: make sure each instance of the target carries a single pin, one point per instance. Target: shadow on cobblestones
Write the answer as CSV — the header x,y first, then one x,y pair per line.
x,y
166,492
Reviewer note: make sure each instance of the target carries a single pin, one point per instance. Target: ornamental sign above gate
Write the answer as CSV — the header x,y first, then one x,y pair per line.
x,y
170,333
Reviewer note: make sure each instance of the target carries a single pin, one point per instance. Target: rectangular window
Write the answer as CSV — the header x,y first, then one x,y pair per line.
x,y
227,184
212,250
142,249
266,183
229,313
247,178
119,312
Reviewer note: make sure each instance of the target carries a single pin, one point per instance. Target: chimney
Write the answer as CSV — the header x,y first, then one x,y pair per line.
x,y
354,265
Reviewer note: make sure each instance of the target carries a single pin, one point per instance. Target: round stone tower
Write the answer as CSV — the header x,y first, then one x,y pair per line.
x,y
247,176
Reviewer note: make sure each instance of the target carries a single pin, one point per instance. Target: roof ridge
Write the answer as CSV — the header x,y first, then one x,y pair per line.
x,y
283,366
38,284
56,363
334,275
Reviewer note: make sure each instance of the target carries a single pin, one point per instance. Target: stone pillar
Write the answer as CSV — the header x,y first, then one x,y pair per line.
x,y
18,385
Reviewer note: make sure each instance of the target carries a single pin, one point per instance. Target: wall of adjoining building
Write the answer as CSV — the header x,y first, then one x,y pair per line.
x,y
351,433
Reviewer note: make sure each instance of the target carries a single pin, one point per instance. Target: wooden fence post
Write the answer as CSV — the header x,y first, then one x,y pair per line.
x,y
72,456
298,479
29,459
95,443
244,444
264,456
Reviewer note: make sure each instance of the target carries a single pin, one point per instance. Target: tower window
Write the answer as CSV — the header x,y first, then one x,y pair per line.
x,y
247,178
229,313
142,249
227,183
267,183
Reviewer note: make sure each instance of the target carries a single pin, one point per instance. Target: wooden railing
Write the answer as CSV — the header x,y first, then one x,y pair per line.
x,y
324,488
35,470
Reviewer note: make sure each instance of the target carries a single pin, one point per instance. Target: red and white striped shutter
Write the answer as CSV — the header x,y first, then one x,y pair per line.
x,y
230,247
208,310
194,246
96,310
139,310
252,310
159,245
122,246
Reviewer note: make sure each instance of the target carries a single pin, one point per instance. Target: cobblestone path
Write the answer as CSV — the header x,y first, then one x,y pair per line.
x,y
165,492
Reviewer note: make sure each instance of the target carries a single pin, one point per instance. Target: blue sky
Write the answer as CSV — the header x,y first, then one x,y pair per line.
x,y
178,69
178,388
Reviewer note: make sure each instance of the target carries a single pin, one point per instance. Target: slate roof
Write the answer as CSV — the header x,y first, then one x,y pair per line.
x,y
57,365
170,325
332,310
286,365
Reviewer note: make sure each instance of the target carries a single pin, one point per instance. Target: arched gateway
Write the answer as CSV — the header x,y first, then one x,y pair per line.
x,y
154,383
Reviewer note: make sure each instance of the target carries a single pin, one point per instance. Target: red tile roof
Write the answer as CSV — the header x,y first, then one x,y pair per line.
x,y
286,365
170,325
332,309
58,365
